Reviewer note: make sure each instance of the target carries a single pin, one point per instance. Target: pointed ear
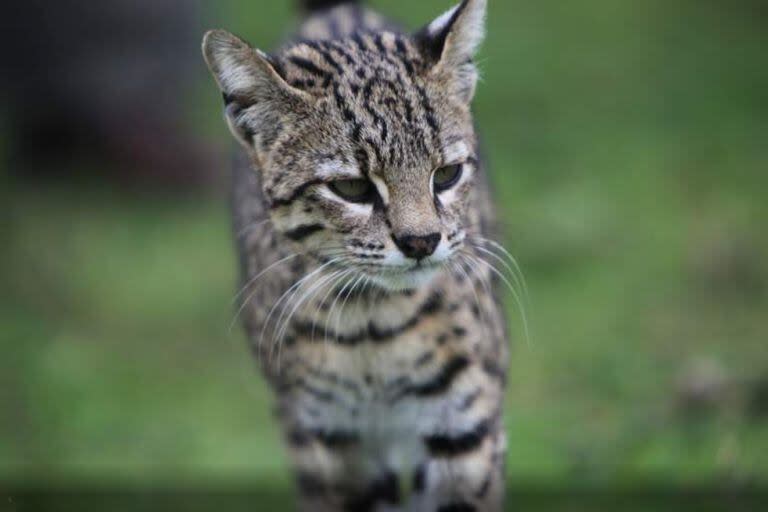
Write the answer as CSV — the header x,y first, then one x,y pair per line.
x,y
255,95
450,42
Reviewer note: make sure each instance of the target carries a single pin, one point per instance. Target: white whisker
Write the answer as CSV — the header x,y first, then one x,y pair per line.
x,y
461,269
329,317
255,278
325,298
322,281
509,256
299,283
279,323
344,303
515,279
247,229
520,305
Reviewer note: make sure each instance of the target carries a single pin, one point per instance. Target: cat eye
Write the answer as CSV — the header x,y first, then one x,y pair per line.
x,y
354,191
446,177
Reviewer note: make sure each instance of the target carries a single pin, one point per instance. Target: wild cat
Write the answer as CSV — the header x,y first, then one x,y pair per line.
x,y
362,220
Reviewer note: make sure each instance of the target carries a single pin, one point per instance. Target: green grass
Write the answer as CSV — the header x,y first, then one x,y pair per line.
x,y
627,144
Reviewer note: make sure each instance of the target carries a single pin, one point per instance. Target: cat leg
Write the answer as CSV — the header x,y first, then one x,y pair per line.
x,y
464,472
332,476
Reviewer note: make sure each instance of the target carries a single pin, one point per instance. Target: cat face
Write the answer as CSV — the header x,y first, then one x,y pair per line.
x,y
365,143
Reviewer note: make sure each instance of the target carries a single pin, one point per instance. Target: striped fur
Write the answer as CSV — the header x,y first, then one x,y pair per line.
x,y
388,360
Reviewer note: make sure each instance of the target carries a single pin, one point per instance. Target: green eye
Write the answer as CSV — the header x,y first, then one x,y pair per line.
x,y
355,191
446,177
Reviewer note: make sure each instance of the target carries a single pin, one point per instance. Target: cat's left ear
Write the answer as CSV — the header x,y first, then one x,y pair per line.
x,y
450,42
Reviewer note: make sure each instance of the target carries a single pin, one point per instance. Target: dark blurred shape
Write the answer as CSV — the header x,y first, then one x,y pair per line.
x,y
101,85
313,5
758,399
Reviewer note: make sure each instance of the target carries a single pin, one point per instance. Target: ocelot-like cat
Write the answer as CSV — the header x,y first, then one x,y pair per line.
x,y
362,217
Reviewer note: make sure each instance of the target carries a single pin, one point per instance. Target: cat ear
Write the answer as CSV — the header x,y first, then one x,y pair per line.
x,y
255,95
450,42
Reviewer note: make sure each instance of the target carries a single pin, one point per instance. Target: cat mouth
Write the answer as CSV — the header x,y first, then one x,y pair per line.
x,y
398,277
414,268
405,277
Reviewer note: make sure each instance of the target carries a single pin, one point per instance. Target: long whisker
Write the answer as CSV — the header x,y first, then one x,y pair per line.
x,y
520,305
503,262
374,297
329,317
477,271
332,251
250,227
279,323
329,314
256,278
331,289
316,286
283,321
508,255
297,284
468,277
344,303
307,296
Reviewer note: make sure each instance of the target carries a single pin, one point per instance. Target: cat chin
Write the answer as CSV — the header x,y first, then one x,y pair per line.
x,y
410,280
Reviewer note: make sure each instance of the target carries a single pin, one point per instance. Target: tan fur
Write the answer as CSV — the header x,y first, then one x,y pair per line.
x,y
383,369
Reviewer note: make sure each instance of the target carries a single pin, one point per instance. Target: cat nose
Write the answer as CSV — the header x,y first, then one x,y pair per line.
x,y
417,246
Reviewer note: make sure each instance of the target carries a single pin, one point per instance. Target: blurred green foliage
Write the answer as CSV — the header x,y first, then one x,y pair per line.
x,y
627,142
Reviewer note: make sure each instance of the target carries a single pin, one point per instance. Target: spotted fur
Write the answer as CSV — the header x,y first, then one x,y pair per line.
x,y
375,321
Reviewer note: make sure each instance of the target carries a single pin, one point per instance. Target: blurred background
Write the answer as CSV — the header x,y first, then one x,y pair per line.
x,y
627,143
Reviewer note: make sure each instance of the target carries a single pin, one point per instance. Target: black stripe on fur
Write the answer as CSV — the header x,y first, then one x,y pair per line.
x,y
299,233
318,5
445,445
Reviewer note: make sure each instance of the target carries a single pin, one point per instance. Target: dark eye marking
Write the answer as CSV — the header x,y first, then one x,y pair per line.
x,y
301,232
354,190
277,202
446,177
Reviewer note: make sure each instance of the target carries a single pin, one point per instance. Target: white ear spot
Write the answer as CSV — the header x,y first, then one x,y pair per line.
x,y
388,39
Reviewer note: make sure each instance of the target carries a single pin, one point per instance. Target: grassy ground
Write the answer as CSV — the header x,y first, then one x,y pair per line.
x,y
627,142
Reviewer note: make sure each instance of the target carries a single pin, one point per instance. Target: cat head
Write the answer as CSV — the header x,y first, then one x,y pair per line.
x,y
365,144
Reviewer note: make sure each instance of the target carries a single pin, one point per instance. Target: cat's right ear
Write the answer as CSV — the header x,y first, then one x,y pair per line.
x,y
255,94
